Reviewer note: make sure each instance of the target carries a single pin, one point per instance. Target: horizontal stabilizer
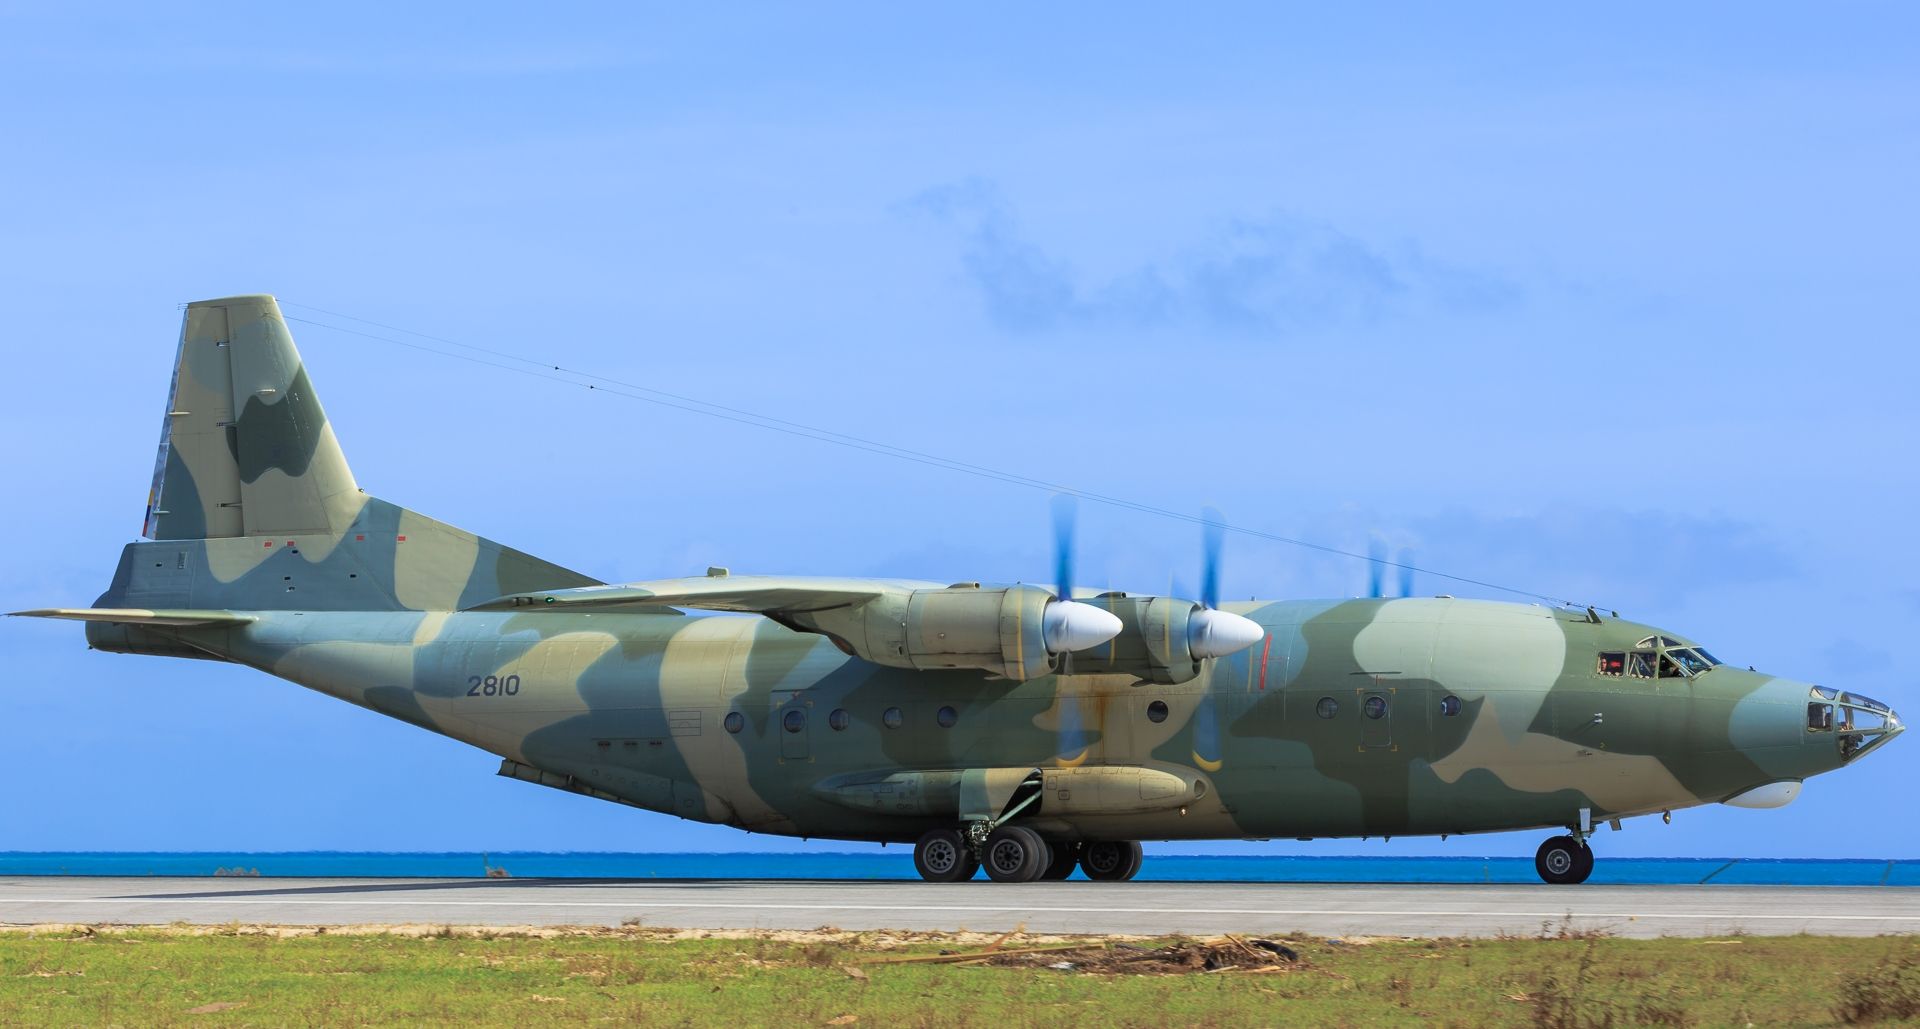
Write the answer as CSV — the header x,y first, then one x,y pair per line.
x,y
174,619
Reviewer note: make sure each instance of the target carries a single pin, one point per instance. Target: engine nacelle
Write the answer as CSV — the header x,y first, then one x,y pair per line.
x,y
1001,629
1154,643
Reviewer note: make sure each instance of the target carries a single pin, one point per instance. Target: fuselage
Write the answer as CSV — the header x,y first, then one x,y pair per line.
x,y
1349,718
1018,729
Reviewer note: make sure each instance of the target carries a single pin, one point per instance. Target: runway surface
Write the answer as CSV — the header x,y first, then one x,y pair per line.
x,y
1144,908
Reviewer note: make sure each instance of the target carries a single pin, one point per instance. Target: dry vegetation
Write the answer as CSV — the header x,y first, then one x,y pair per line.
x,y
539,976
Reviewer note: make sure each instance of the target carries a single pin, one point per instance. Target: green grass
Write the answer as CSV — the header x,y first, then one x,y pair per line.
x,y
160,976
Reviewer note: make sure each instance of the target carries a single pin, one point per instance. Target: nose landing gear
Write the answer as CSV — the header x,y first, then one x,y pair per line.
x,y
1564,860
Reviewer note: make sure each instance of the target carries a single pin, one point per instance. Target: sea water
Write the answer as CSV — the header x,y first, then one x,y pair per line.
x,y
898,864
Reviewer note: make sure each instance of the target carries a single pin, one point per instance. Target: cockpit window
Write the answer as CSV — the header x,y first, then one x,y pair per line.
x,y
1676,659
1640,664
1819,717
1614,663
1693,661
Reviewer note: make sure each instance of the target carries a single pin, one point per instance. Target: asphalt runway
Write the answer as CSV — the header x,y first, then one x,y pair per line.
x,y
1144,908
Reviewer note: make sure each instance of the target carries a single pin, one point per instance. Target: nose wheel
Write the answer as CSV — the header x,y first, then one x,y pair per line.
x,y
1564,860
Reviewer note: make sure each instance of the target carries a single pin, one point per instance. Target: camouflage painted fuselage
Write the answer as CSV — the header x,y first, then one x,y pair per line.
x,y
634,707
1346,718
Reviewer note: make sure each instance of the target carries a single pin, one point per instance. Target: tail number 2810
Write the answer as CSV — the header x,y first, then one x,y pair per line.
x,y
493,685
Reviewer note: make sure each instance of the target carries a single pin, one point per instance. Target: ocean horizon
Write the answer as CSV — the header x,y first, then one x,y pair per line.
x,y
898,864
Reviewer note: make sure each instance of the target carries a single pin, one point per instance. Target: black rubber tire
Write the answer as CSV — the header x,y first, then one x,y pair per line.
x,y
1015,854
1563,861
1066,858
1586,862
942,856
1110,861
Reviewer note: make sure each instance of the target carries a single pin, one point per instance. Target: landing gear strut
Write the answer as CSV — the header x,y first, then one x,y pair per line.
x,y
1564,860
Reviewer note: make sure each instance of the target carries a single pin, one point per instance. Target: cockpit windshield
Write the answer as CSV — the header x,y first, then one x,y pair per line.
x,y
1658,657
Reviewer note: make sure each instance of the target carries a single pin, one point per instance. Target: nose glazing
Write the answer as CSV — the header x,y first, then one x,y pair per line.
x,y
1859,723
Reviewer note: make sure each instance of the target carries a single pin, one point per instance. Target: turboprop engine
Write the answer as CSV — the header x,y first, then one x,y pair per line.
x,y
1164,639
1015,631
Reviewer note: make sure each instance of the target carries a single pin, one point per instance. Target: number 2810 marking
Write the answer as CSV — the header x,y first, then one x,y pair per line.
x,y
493,686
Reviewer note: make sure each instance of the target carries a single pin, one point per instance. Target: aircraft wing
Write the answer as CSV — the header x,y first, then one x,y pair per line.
x,y
172,619
1013,631
754,594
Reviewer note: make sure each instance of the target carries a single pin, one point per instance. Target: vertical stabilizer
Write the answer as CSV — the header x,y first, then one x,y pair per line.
x,y
245,449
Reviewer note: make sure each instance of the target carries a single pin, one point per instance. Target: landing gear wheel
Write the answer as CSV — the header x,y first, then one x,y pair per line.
x,y
941,856
1564,860
1015,854
1110,862
1065,857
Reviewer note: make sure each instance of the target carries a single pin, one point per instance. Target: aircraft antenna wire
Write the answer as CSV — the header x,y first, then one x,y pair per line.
x,y
693,405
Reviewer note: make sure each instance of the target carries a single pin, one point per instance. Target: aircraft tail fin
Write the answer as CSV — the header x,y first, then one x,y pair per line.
x,y
245,448
253,506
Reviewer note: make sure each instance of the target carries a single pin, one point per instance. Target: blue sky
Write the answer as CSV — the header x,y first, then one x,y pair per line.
x,y
1613,307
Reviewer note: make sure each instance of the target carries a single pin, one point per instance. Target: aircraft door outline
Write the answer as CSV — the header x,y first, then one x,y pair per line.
x,y
793,722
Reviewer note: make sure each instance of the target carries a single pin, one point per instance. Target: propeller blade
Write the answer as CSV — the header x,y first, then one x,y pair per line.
x,y
1063,512
1210,538
1376,567
1406,573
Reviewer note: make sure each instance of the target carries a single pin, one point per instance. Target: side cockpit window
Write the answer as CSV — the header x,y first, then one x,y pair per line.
x,y
1694,661
1819,717
1613,663
1640,664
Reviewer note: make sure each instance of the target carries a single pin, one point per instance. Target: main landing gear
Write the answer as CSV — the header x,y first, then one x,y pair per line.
x,y
1564,860
1017,854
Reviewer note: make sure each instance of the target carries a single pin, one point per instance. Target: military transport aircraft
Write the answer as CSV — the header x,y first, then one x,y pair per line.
x,y
1024,729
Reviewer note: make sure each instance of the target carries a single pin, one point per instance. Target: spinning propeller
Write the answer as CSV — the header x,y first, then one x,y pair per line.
x,y
1212,632
1377,569
1068,625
